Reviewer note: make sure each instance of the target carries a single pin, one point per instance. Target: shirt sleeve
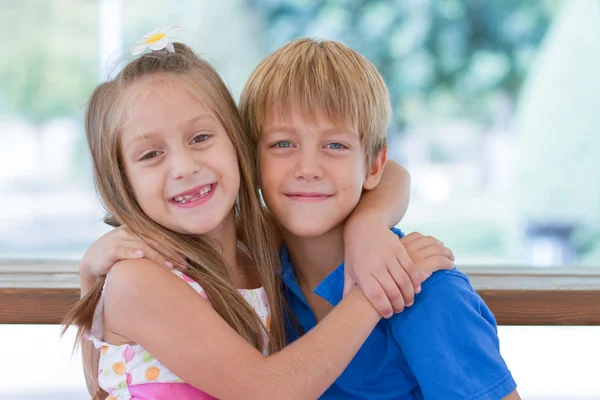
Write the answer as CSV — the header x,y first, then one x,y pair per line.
x,y
450,342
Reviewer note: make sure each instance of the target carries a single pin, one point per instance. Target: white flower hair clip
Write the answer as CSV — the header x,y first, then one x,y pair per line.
x,y
158,39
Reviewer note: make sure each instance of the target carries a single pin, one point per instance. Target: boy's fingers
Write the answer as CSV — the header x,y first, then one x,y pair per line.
x,y
348,282
157,257
127,234
152,248
376,295
141,250
124,253
158,249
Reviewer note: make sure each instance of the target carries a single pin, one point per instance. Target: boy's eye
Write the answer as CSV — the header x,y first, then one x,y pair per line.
x,y
283,145
200,138
335,146
150,155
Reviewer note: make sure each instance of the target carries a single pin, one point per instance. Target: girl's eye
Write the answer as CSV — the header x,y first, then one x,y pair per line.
x,y
150,155
200,138
335,146
283,145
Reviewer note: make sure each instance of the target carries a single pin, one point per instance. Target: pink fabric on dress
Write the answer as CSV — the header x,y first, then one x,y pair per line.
x,y
167,391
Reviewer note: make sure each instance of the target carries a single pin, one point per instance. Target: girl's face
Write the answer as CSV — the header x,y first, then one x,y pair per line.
x,y
178,159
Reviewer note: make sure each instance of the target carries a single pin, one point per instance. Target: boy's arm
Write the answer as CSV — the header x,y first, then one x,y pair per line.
x,y
374,258
450,341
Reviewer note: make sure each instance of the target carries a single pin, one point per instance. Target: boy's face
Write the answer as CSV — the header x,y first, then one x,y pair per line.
x,y
312,172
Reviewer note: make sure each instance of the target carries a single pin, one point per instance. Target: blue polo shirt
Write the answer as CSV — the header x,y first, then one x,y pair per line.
x,y
445,346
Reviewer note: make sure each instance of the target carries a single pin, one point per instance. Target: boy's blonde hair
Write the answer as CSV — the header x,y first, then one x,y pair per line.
x,y
324,76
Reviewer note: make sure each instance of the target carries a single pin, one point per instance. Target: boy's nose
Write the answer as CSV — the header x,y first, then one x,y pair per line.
x,y
308,167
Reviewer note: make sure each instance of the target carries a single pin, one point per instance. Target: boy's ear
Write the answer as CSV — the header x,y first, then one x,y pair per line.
x,y
375,170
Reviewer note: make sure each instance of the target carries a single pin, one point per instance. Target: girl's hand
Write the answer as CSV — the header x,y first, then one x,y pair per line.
x,y
428,254
390,270
378,263
119,244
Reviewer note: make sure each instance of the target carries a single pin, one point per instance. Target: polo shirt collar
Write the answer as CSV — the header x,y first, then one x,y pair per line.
x,y
331,289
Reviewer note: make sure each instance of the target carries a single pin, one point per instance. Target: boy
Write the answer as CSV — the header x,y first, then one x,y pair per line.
x,y
318,113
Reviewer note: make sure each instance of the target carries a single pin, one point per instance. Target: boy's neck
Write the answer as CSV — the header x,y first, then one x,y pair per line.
x,y
315,257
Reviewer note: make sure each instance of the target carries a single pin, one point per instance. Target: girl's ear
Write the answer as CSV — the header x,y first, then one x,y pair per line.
x,y
375,170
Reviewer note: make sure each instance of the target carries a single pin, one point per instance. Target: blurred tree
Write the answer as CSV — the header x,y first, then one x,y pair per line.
x,y
49,64
447,57
558,124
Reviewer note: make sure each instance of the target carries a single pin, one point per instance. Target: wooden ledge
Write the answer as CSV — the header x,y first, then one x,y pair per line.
x,y
40,292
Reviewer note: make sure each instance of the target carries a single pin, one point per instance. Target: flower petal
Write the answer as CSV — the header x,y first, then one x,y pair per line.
x,y
154,32
138,48
159,45
174,30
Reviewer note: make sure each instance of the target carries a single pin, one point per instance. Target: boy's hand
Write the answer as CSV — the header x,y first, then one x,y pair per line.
x,y
377,261
118,244
428,254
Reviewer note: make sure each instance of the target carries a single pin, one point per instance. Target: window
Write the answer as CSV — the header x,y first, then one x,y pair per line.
x,y
494,112
494,115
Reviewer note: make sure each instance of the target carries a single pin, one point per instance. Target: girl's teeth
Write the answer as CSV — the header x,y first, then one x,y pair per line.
x,y
193,197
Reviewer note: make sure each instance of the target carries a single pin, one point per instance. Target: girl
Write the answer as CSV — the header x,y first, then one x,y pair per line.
x,y
171,163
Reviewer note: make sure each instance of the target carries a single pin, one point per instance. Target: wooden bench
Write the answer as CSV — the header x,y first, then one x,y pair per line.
x,y
40,292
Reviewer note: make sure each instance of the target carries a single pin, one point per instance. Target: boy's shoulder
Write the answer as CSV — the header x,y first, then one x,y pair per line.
x,y
447,292
446,277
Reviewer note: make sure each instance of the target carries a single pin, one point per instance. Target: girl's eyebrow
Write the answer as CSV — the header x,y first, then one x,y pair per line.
x,y
149,134
199,118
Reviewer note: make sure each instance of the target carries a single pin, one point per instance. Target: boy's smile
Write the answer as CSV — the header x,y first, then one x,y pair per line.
x,y
312,171
308,196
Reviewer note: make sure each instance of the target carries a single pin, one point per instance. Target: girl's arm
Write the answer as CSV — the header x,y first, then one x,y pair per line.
x,y
115,245
388,201
374,258
151,306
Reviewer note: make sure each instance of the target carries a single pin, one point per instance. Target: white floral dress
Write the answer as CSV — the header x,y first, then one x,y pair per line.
x,y
129,372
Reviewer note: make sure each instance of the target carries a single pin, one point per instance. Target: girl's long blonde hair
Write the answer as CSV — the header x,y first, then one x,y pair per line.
x,y
104,116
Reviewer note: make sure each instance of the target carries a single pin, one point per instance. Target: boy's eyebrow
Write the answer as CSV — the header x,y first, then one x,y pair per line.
x,y
279,128
336,131
329,131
